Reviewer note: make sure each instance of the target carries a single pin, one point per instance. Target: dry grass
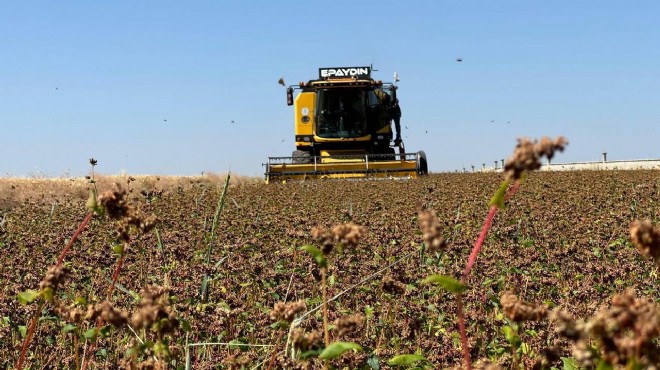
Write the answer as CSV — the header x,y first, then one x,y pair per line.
x,y
14,191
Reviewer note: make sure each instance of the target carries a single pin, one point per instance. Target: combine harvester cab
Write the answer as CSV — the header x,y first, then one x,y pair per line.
x,y
343,129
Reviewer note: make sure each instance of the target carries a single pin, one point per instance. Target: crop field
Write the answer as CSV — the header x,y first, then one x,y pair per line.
x,y
210,276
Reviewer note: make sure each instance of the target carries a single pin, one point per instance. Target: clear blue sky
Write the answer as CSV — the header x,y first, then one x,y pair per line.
x,y
82,79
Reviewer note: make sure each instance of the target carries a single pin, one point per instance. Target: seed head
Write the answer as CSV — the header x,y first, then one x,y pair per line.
x,y
431,231
115,203
519,311
303,341
393,286
53,277
287,311
69,314
117,208
154,311
348,324
527,155
348,234
325,239
646,239
107,312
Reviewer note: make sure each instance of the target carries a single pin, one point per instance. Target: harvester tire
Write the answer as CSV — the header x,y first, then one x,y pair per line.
x,y
423,168
301,157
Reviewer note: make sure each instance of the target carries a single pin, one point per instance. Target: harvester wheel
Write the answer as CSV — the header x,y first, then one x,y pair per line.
x,y
301,157
423,167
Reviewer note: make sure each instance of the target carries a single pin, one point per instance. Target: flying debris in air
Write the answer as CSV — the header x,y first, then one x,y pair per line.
x,y
405,127
396,77
508,121
164,120
427,131
492,121
232,122
459,59
281,81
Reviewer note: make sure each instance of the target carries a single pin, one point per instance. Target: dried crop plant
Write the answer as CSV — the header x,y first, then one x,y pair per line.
x,y
55,274
128,221
626,334
309,344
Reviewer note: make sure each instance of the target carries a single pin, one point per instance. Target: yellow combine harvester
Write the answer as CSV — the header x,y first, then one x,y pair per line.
x,y
343,129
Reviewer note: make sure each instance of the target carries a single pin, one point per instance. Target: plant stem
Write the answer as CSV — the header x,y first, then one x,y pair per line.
x,y
461,327
484,231
326,334
466,272
272,356
100,321
74,237
37,314
30,333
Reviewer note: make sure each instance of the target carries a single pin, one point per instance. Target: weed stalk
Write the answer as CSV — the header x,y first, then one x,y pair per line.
x,y
37,313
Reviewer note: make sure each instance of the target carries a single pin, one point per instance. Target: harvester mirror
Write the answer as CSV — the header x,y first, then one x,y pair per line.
x,y
289,96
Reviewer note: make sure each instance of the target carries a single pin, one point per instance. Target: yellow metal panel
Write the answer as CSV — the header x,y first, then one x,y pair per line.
x,y
319,139
363,169
305,103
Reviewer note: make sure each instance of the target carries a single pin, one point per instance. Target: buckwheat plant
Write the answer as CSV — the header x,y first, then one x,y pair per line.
x,y
527,156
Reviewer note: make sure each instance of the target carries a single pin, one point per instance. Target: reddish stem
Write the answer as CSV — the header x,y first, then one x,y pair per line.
x,y
461,327
484,230
480,241
37,314
28,337
473,258
73,238
115,276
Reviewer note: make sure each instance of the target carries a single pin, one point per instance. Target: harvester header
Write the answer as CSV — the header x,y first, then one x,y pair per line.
x,y
343,129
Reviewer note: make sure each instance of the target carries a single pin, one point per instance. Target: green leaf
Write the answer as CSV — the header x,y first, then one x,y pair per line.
x,y
28,296
604,365
69,327
373,362
279,325
447,282
159,242
118,248
104,331
6,321
240,344
185,326
48,294
510,334
309,354
403,360
204,289
569,363
317,254
22,329
90,334
336,349
524,347
498,197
